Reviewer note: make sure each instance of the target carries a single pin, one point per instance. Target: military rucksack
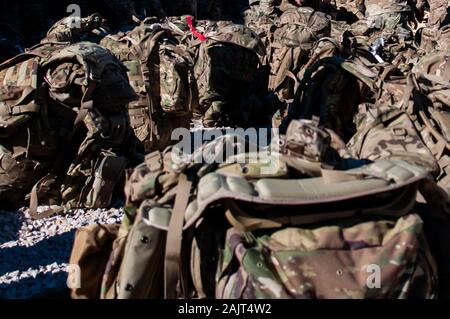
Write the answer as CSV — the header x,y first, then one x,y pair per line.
x,y
69,29
63,124
91,250
438,14
331,90
226,71
409,120
432,39
427,97
297,30
276,249
422,96
238,230
260,17
384,132
161,73
388,17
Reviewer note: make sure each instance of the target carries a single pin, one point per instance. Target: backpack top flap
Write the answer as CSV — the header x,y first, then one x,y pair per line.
x,y
203,31
67,29
239,35
137,44
388,187
93,57
98,65
302,27
19,85
433,70
377,8
18,90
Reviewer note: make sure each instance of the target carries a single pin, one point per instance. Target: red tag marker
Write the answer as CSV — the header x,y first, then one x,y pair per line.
x,y
197,34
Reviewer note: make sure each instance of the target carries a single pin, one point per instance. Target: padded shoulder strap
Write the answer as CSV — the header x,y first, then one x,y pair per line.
x,y
379,177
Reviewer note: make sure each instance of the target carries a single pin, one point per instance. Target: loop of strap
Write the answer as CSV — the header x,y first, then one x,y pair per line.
x,y
34,203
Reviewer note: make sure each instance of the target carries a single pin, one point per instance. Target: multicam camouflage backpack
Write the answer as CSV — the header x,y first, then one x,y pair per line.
x,y
432,39
226,71
293,246
390,17
350,6
422,97
297,30
266,7
72,30
331,90
410,120
63,124
427,97
260,17
161,73
438,13
271,228
388,132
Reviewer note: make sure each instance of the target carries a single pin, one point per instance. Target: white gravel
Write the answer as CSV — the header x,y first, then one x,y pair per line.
x,y
34,254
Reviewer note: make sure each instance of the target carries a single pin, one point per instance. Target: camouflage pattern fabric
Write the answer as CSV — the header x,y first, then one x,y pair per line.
x,y
161,73
328,262
393,244
306,140
432,39
70,113
331,90
226,73
297,30
66,30
389,16
438,13
390,135
353,82
260,17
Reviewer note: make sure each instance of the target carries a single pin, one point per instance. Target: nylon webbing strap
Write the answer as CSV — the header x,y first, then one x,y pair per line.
x,y
34,203
85,107
86,103
174,238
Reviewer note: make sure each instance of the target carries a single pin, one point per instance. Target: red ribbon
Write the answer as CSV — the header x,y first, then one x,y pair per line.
x,y
197,34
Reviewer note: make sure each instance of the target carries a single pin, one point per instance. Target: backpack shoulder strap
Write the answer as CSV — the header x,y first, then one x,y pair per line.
x,y
377,178
174,238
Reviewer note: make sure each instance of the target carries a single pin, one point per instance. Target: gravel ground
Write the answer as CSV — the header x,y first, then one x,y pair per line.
x,y
34,254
